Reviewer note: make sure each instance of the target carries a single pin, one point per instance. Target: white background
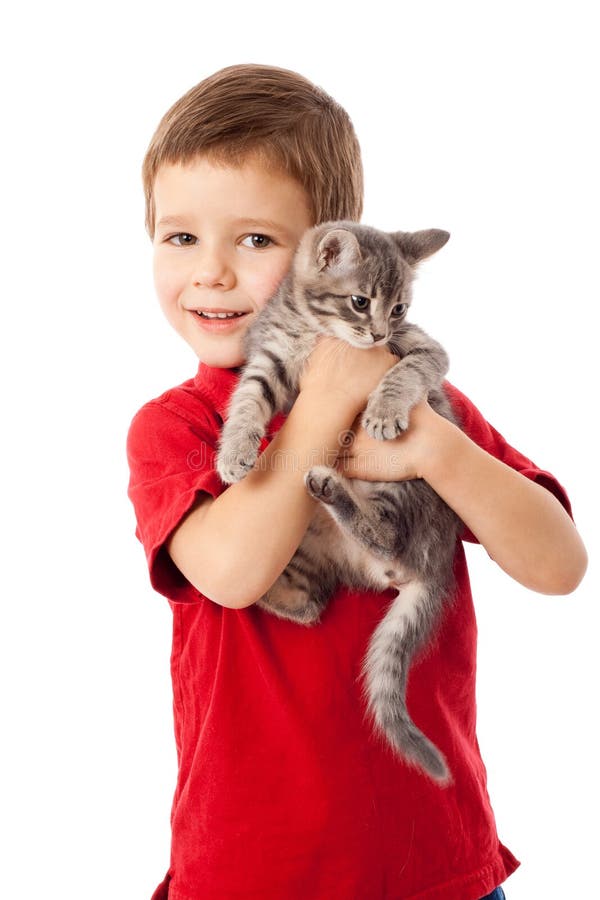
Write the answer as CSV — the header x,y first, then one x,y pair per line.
x,y
476,117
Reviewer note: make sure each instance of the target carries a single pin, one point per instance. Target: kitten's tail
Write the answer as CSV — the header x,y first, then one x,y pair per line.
x,y
386,665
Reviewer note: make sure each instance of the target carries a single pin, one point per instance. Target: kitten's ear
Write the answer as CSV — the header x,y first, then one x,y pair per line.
x,y
338,251
418,245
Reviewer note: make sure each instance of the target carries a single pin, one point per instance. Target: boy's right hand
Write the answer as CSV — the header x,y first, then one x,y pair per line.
x,y
336,367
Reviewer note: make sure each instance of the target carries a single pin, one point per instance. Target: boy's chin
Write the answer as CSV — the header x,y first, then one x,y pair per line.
x,y
220,357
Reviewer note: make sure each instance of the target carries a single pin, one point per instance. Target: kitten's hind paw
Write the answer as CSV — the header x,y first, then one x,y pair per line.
x,y
237,457
321,483
327,486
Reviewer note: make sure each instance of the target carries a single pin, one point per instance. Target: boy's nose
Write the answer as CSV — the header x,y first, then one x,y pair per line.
x,y
212,270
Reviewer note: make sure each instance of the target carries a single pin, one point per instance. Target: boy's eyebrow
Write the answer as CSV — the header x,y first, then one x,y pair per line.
x,y
261,223
250,223
171,220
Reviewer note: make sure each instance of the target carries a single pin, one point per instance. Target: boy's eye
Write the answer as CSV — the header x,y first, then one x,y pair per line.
x,y
182,239
258,241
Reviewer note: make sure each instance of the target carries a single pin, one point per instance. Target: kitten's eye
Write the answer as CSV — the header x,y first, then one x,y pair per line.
x,y
399,309
182,239
360,303
258,241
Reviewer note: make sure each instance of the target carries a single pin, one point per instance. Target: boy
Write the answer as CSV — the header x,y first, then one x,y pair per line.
x,y
283,790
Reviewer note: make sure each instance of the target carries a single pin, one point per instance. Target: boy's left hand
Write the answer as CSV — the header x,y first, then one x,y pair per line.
x,y
399,459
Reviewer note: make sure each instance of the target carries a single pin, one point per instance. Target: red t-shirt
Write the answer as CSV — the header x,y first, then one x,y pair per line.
x,y
283,790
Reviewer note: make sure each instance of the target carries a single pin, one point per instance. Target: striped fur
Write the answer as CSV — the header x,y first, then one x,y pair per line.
x,y
368,535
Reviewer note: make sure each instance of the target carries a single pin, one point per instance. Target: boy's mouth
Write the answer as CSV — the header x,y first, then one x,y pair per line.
x,y
219,319
219,315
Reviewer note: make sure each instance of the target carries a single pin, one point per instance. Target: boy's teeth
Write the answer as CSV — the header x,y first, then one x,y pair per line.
x,y
208,315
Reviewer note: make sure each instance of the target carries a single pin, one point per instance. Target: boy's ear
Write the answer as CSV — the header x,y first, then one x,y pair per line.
x,y
418,245
338,251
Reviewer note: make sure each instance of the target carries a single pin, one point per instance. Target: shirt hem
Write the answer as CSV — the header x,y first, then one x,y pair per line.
x,y
463,887
478,884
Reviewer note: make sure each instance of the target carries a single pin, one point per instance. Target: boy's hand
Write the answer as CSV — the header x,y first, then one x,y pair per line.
x,y
337,368
398,459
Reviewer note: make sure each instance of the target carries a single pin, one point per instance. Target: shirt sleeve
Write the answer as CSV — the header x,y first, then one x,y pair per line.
x,y
171,461
485,436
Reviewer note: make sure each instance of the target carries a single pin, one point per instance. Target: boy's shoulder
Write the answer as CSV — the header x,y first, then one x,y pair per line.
x,y
471,420
482,433
184,400
195,407
206,394
184,406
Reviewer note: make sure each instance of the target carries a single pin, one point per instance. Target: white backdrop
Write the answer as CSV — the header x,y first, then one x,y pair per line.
x,y
476,117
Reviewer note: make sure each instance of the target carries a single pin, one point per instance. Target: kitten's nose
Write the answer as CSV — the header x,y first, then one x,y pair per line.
x,y
377,337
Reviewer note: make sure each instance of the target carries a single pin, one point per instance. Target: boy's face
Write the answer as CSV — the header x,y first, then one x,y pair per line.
x,y
224,240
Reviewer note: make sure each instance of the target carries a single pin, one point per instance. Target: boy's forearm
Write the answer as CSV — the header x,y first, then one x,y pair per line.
x,y
258,523
522,525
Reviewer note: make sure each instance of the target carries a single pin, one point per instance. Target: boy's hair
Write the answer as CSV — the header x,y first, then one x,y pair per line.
x,y
274,114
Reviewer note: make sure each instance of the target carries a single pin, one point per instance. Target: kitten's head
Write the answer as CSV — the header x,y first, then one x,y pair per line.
x,y
356,281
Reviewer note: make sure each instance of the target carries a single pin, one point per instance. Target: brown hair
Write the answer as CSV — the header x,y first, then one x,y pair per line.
x,y
275,113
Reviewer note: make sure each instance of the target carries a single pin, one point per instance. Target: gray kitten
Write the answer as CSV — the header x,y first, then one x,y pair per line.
x,y
354,282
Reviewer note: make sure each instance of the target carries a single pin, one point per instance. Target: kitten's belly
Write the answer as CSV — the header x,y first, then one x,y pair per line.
x,y
361,567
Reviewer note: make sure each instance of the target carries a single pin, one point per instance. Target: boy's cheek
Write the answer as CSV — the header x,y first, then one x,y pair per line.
x,y
162,283
265,286
162,266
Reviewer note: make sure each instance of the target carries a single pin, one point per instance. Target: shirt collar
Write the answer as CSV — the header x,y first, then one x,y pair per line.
x,y
219,384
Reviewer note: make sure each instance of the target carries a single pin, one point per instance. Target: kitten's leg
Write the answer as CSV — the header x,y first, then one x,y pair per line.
x,y
368,517
422,367
395,640
261,392
408,622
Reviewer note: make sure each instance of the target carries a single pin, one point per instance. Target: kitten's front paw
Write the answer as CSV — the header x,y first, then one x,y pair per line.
x,y
237,456
383,420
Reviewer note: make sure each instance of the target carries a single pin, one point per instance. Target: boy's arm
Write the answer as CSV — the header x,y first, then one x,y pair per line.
x,y
521,524
233,548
